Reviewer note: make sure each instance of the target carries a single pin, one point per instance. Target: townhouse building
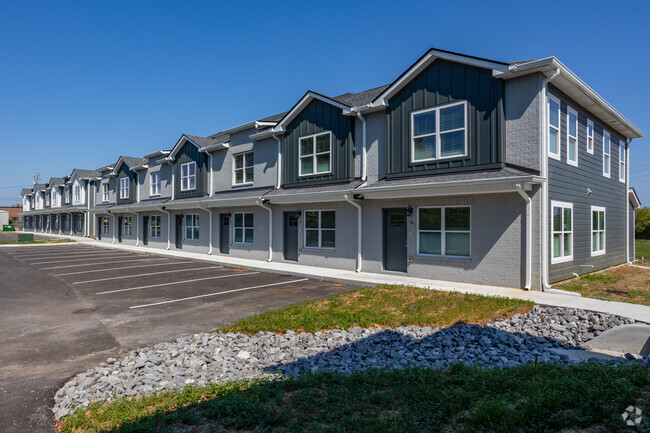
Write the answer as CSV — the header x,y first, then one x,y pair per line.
x,y
462,169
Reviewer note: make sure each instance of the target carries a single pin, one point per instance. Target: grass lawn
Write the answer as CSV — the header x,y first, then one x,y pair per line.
x,y
383,306
643,249
527,398
622,283
42,241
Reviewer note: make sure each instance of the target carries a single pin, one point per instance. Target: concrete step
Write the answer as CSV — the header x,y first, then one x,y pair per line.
x,y
633,339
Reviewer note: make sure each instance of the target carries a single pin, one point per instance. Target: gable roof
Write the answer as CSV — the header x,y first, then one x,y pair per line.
x,y
39,187
82,174
130,161
362,98
205,144
304,102
56,181
26,191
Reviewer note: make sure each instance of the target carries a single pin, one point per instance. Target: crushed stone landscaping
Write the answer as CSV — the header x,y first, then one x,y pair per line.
x,y
219,357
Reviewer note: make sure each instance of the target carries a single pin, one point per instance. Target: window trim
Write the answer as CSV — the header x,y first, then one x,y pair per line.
x,y
607,173
106,226
314,154
124,188
320,230
621,161
195,223
570,111
105,192
563,205
77,193
555,99
591,240
590,138
438,132
189,176
155,192
129,225
243,227
80,223
443,232
152,234
243,169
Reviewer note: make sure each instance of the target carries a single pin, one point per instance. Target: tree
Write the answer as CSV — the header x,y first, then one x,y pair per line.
x,y
642,223
17,205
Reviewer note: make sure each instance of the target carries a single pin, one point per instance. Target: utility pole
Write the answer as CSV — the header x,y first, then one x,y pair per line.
x,y
37,177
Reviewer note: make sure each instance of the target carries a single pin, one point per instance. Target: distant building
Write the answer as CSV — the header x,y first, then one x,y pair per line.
x,y
14,212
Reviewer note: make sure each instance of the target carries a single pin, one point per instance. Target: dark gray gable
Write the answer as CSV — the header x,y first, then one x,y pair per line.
x,y
317,117
122,173
441,83
189,152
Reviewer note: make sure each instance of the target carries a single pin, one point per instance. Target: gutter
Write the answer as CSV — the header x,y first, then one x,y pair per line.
x,y
263,204
169,225
529,235
359,230
279,168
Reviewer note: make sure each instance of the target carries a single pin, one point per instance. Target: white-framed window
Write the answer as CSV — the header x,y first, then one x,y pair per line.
x,y
315,152
192,227
572,137
553,127
597,230
590,136
127,224
155,226
155,183
621,161
243,228
188,176
68,195
47,199
243,168
124,187
562,235
77,193
320,229
444,231
53,197
106,225
80,223
439,132
105,192
607,149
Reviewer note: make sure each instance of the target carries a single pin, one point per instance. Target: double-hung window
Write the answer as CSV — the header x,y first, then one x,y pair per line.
x,y
553,127
562,224
244,164
77,193
124,188
127,224
192,227
607,160
440,132
572,137
316,154
244,228
106,225
444,231
188,176
155,226
53,197
590,137
320,229
80,223
597,230
155,183
105,192
47,199
68,195
621,160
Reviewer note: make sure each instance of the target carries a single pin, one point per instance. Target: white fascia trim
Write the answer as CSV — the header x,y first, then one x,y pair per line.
x,y
139,167
227,202
634,198
116,167
488,181
213,147
178,146
304,101
249,125
157,153
262,135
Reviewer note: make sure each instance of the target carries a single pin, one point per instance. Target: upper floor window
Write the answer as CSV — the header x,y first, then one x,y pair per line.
x,y
244,167
572,137
562,225
105,191
606,154
621,160
53,197
444,231
188,176
77,193
597,230
320,229
155,183
316,154
124,187
192,227
438,133
244,228
590,137
553,127
67,193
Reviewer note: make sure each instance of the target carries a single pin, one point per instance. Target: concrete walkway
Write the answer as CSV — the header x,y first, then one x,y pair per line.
x,y
634,311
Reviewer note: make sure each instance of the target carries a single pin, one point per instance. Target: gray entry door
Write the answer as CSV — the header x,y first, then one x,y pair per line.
x,y
224,233
179,231
395,253
119,229
145,230
291,236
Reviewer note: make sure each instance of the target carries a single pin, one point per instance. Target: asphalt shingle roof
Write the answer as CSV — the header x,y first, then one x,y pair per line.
x,y
133,161
26,191
352,99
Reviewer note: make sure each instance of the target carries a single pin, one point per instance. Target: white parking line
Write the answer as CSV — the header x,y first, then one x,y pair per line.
x,y
177,282
149,273
123,267
81,260
97,264
217,293
54,256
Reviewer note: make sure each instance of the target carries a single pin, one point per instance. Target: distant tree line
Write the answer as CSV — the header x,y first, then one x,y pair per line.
x,y
642,223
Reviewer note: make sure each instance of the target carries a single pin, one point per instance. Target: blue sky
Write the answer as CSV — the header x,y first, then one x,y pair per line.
x,y
82,82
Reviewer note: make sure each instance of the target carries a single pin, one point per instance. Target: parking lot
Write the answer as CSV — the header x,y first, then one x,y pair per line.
x,y
69,306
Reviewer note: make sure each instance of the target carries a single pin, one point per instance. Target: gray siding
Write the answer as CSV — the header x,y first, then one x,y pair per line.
x,y
632,234
165,171
571,184
188,153
320,117
122,173
523,111
444,82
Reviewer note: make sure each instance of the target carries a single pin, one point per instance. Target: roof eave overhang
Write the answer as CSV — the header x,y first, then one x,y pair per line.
x,y
249,125
634,198
227,202
215,147
157,153
179,144
297,109
309,197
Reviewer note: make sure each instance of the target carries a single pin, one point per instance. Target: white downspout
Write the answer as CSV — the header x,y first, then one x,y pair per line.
x,y
114,219
210,188
364,148
529,235
71,224
262,205
137,232
359,229
209,230
544,143
627,200
173,184
87,222
279,174
169,225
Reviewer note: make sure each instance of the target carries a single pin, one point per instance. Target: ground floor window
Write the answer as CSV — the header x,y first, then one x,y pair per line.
x,y
80,222
155,226
562,223
320,229
444,231
192,227
127,224
243,227
597,230
67,222
106,225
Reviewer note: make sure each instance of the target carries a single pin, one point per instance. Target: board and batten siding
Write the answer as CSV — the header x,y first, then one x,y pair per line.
x,y
585,186
441,83
317,117
126,172
189,153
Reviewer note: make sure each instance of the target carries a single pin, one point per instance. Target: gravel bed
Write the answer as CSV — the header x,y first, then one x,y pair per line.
x,y
218,357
